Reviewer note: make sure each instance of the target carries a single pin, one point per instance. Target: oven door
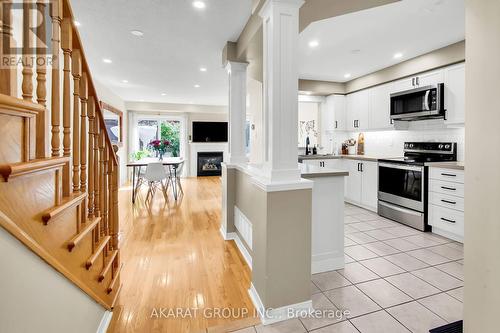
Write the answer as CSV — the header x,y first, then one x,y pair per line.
x,y
420,102
402,185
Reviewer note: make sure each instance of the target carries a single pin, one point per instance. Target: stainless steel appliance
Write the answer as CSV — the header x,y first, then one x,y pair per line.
x,y
403,182
418,103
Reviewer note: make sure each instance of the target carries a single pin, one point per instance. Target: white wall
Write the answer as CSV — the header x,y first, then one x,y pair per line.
x,y
255,116
36,298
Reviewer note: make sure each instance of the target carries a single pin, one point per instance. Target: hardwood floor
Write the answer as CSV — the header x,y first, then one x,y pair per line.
x,y
175,258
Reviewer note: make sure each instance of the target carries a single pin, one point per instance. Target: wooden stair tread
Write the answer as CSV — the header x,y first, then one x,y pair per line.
x,y
21,168
67,202
107,266
97,252
115,279
89,226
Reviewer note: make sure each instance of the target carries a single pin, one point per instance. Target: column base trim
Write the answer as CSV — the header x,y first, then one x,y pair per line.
x,y
271,316
327,262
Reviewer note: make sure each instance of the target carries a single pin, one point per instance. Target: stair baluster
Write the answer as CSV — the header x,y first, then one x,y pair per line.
x,y
76,69
27,83
66,43
56,15
41,78
91,115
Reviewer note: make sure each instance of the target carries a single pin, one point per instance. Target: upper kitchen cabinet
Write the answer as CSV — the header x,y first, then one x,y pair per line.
x,y
454,94
379,115
357,106
333,115
421,80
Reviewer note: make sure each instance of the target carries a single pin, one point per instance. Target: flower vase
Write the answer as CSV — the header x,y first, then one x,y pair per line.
x,y
160,157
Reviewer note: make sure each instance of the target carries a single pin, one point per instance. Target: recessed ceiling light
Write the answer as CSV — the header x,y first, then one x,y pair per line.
x,y
125,81
347,75
196,85
163,94
203,69
106,60
313,43
137,33
355,51
77,24
199,4
398,55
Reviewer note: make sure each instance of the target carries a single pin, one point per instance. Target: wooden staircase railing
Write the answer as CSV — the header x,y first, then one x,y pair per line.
x,y
63,205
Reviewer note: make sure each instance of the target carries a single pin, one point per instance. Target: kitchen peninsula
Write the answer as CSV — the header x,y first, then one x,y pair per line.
x,y
327,247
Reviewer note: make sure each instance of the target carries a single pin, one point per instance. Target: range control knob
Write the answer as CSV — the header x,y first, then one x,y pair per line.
x,y
411,145
440,146
447,146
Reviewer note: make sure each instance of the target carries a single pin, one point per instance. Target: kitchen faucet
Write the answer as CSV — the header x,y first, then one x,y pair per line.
x,y
308,142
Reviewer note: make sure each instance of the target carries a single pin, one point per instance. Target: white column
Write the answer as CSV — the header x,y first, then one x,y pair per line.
x,y
237,72
281,35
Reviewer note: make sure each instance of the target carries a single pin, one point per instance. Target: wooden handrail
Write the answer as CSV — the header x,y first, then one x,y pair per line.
x,y
68,12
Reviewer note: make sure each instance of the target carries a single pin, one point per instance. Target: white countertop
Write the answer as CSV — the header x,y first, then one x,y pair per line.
x,y
350,157
446,165
312,171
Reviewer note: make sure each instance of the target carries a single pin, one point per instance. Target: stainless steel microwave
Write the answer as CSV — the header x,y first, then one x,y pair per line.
x,y
418,103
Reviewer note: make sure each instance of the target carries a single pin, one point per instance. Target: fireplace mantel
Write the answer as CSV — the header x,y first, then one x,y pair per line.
x,y
195,147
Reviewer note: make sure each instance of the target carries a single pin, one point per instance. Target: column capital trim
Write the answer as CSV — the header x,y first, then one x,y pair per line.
x,y
265,10
236,66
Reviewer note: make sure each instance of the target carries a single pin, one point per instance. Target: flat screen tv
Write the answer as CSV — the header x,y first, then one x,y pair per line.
x,y
209,131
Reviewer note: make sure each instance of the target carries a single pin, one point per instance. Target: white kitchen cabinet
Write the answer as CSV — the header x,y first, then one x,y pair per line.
x,y
353,181
429,78
339,102
361,186
404,84
358,105
333,114
379,114
335,163
446,202
369,185
454,94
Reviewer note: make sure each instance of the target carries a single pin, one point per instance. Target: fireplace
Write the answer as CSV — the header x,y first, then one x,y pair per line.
x,y
209,163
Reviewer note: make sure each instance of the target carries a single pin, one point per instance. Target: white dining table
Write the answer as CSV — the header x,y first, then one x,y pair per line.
x,y
167,161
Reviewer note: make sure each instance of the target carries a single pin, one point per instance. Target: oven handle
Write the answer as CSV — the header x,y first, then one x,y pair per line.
x,y
401,166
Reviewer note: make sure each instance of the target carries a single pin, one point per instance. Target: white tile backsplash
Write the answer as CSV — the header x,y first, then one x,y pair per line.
x,y
390,143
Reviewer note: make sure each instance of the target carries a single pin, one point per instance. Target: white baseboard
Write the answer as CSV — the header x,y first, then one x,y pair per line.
x,y
105,321
373,209
327,262
271,316
234,236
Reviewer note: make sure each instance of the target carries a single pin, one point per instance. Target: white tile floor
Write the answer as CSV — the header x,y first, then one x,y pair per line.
x,y
396,279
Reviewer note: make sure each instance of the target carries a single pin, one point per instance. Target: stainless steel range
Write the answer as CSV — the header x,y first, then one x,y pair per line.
x,y
403,183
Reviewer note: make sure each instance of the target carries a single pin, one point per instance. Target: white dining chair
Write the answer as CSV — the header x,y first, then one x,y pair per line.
x,y
154,176
178,174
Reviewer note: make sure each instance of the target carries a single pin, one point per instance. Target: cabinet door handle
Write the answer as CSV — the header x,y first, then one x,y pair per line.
x,y
361,167
358,167
417,81
336,124
413,82
448,175
449,202
446,220
448,188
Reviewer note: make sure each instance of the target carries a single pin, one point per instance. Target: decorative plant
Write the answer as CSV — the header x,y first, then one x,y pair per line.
x,y
139,155
170,130
160,146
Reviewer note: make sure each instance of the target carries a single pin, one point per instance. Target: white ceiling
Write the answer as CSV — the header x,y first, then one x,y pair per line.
x,y
178,40
363,42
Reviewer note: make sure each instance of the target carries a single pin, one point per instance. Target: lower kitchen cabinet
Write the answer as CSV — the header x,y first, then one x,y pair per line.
x,y
446,203
361,186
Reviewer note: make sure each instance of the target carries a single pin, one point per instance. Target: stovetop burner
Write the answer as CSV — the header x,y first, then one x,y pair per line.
x,y
419,153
